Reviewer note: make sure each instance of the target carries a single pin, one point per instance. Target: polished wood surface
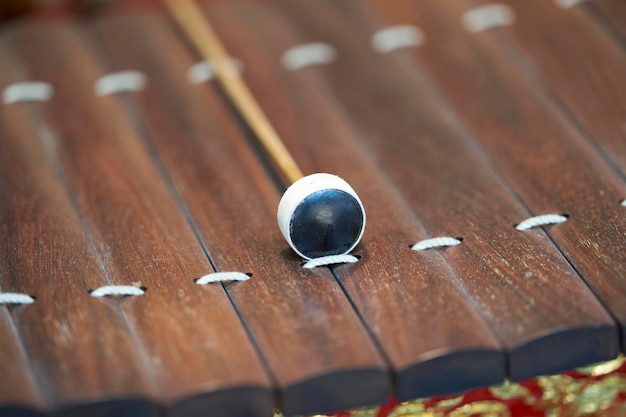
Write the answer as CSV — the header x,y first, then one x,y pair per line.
x,y
140,237
435,164
587,59
389,284
46,254
287,310
612,15
465,135
18,391
547,161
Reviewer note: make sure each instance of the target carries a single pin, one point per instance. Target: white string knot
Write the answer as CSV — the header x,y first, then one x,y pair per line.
x,y
316,53
27,91
15,298
486,17
566,4
436,242
330,260
120,82
396,37
543,220
221,277
117,291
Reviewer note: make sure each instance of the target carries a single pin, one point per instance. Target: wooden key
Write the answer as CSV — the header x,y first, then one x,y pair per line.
x,y
79,349
317,350
414,306
190,338
612,15
584,69
18,393
545,159
510,277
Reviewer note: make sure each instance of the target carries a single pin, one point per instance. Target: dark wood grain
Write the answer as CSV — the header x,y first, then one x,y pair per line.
x,y
581,64
421,317
546,160
612,13
18,393
512,278
318,351
80,350
190,338
116,177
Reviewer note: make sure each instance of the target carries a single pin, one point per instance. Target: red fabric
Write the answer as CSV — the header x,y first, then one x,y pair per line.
x,y
534,399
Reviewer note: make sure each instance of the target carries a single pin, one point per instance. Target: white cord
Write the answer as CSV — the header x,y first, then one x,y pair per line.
x,y
330,260
221,277
566,4
317,53
120,82
542,220
117,290
15,298
396,37
486,17
27,91
437,242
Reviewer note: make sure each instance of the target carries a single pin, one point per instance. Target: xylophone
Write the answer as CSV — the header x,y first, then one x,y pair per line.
x,y
142,272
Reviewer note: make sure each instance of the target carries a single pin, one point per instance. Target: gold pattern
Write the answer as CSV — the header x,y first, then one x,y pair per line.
x,y
448,403
365,412
596,390
481,409
509,390
411,408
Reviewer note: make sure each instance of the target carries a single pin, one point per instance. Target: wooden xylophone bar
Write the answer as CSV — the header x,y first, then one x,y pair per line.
x,y
461,135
